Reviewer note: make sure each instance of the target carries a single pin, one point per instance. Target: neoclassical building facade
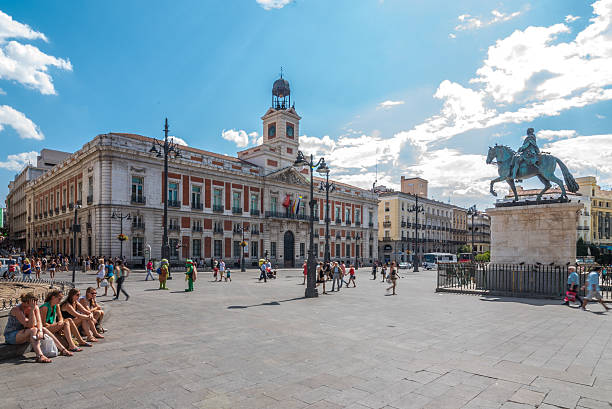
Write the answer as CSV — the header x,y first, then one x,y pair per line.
x,y
215,201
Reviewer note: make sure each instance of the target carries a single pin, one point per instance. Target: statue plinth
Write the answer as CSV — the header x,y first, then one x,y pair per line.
x,y
543,233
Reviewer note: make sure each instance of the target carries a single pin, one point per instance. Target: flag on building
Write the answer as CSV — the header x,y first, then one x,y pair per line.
x,y
297,204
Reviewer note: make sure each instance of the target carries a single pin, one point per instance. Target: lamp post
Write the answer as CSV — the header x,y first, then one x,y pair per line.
x,y
311,263
328,187
472,212
242,245
165,150
121,217
416,208
76,228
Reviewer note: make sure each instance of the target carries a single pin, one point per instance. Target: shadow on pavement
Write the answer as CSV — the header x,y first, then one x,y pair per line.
x,y
235,307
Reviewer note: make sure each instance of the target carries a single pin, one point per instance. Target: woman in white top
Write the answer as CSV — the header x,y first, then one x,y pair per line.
x,y
100,274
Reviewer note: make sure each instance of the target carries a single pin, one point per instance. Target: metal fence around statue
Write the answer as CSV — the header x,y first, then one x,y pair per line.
x,y
515,280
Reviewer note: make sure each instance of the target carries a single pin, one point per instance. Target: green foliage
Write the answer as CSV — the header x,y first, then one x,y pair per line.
x,y
464,249
581,248
486,256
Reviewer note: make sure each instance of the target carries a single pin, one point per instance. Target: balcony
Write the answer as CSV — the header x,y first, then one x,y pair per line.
x,y
358,224
217,208
254,232
218,230
89,199
236,231
403,224
174,228
386,239
138,199
71,206
254,212
79,202
371,224
338,236
63,208
285,215
88,226
386,224
197,206
138,226
348,222
174,203
237,210
35,217
197,229
338,221
370,238
57,210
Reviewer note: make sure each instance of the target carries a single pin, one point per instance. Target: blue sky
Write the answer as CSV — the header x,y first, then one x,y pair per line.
x,y
419,87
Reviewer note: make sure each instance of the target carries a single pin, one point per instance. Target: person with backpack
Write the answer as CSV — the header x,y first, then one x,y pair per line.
x,y
122,273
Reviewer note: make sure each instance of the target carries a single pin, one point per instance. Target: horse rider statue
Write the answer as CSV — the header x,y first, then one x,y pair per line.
x,y
529,153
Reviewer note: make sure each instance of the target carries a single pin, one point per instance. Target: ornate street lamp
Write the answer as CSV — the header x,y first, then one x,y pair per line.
x,y
76,228
311,263
165,150
416,208
121,236
473,212
328,187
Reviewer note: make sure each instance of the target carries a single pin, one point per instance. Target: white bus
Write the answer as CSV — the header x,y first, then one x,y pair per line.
x,y
431,260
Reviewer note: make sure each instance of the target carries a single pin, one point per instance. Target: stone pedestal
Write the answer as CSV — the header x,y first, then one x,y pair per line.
x,y
534,233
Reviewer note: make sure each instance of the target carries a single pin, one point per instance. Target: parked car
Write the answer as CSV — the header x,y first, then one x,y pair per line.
x,y
404,265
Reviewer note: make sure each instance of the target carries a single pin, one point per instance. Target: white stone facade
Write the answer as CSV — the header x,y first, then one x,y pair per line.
x,y
234,195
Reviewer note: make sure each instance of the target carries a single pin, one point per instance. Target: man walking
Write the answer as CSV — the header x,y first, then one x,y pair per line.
x,y
336,270
593,289
122,273
149,270
374,270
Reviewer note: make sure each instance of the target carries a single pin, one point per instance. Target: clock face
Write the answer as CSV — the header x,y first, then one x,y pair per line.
x,y
271,131
289,131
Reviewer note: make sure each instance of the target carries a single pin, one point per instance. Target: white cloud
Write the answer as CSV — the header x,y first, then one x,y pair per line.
x,y
585,155
570,19
600,116
469,22
29,66
273,4
451,35
549,135
177,140
255,139
389,104
239,137
25,128
527,75
10,28
18,161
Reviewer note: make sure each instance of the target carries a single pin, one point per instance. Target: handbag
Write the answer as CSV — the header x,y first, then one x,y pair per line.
x,y
48,347
104,283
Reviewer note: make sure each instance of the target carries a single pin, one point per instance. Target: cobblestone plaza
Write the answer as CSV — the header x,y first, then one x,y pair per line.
x,y
247,344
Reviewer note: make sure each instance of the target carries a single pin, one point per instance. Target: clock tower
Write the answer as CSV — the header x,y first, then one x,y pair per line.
x,y
281,125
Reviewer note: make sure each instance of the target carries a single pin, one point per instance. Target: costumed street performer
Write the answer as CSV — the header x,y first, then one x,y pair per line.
x,y
163,273
190,275
529,153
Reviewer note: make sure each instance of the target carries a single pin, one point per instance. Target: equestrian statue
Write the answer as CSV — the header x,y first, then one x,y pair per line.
x,y
529,162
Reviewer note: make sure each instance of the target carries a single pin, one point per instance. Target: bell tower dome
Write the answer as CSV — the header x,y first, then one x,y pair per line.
x,y
281,125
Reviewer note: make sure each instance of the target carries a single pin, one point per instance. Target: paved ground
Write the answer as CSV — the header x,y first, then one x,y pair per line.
x,y
253,345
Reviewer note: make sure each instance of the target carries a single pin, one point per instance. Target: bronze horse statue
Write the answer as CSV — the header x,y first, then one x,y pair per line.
x,y
544,170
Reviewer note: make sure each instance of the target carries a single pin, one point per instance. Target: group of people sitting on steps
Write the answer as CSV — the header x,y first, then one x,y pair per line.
x,y
57,326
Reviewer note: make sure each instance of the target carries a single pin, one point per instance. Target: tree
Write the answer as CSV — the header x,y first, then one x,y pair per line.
x,y
581,248
484,257
464,249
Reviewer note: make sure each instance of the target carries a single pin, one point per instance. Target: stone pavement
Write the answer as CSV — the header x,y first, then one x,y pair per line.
x,y
252,345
